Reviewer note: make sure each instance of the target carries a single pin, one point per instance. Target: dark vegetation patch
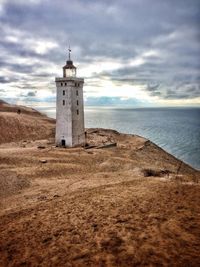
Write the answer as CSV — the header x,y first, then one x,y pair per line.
x,y
155,173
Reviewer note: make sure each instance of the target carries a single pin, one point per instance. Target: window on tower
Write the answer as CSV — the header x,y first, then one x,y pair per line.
x,y
77,92
61,84
63,92
77,111
65,84
63,102
77,102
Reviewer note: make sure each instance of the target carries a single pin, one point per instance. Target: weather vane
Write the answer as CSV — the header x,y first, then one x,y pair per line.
x,y
69,52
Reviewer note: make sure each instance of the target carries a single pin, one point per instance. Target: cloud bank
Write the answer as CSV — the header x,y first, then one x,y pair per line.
x,y
147,51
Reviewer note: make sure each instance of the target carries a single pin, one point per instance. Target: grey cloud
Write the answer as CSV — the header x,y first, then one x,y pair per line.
x,y
18,49
175,96
99,30
25,85
4,79
181,91
156,93
31,93
158,77
152,87
42,74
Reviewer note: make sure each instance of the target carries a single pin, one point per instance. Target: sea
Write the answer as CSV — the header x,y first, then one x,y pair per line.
x,y
176,130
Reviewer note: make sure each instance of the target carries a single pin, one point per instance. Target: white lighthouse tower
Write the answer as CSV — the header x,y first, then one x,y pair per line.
x,y
70,129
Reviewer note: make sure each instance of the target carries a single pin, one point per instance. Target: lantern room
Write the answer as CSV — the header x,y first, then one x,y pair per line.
x,y
69,70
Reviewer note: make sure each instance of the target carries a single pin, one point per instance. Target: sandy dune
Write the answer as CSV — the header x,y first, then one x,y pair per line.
x,y
28,125
129,205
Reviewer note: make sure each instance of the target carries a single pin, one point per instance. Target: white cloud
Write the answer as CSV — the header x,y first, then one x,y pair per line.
x,y
40,46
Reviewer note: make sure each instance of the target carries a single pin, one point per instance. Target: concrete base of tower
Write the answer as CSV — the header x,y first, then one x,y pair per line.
x,y
65,142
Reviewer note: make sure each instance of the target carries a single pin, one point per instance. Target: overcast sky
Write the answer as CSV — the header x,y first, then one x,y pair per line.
x,y
136,52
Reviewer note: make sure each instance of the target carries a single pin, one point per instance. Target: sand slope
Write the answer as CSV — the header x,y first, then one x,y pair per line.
x,y
28,125
129,205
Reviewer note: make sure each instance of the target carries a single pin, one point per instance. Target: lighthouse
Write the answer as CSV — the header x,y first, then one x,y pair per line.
x,y
70,130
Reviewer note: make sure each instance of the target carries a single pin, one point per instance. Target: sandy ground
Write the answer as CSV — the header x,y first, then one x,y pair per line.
x,y
118,206
129,205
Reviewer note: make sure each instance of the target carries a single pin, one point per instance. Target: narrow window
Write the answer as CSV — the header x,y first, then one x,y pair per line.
x,y
77,111
63,102
75,84
77,102
77,92
63,92
65,84
61,84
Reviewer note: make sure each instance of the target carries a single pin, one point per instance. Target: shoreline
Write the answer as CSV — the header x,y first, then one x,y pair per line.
x,y
176,149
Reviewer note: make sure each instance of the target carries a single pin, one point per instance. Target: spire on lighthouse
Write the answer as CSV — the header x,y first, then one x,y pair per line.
x,y
69,50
